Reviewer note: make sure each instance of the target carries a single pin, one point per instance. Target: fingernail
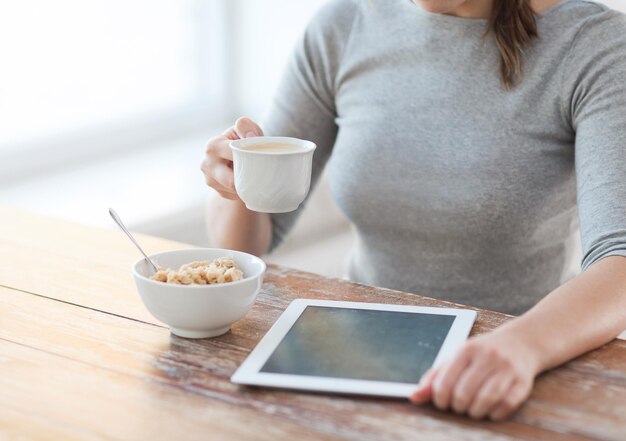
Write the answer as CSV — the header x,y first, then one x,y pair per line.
x,y
250,134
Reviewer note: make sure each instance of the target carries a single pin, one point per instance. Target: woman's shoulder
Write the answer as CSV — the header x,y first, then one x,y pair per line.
x,y
595,23
329,29
591,34
336,14
579,8
596,56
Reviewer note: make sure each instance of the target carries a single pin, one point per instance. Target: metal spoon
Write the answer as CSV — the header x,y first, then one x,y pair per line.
x,y
119,222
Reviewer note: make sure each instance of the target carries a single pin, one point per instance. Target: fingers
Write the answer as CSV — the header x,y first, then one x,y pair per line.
x,y
245,128
219,176
490,394
423,393
217,164
223,176
219,147
469,383
217,167
516,394
484,378
448,376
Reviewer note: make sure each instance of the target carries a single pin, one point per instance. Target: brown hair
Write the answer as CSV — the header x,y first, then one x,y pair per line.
x,y
513,25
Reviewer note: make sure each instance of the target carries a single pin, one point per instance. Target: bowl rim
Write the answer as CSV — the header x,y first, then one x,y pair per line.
x,y
196,286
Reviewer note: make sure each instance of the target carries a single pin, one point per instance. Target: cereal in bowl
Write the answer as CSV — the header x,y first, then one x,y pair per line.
x,y
221,270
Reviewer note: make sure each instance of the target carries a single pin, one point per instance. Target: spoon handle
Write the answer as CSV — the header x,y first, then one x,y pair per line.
x,y
119,222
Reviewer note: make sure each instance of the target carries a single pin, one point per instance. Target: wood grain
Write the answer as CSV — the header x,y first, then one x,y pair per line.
x,y
74,263
203,368
74,308
90,401
18,426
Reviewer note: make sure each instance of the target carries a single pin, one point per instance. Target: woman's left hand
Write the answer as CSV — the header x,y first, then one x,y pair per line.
x,y
490,376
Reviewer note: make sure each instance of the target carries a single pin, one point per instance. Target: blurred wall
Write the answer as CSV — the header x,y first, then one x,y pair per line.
x,y
266,32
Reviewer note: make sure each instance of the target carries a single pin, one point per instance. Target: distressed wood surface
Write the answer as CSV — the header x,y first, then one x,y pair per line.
x,y
81,358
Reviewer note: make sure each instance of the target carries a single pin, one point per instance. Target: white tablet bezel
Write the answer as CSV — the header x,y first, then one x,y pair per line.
x,y
249,371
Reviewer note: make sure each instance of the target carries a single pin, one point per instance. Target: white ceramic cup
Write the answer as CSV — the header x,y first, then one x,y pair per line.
x,y
272,182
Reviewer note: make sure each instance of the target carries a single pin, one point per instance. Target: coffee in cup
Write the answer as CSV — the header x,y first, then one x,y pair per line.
x,y
273,147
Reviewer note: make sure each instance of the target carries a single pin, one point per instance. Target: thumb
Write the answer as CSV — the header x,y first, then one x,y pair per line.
x,y
245,128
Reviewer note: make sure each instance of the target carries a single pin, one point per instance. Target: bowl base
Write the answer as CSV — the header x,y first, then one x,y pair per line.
x,y
186,333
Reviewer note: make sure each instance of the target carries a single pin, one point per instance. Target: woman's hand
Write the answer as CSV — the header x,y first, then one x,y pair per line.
x,y
490,376
218,161
230,224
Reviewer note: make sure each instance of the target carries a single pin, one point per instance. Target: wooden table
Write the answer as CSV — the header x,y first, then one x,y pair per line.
x,y
81,358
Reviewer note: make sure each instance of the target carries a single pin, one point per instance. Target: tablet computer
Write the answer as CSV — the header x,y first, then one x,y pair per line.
x,y
354,348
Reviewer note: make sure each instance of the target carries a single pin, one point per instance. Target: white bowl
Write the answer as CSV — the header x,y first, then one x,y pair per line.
x,y
199,311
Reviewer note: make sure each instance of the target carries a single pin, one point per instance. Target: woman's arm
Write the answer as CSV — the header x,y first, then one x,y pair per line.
x,y
581,315
229,223
494,373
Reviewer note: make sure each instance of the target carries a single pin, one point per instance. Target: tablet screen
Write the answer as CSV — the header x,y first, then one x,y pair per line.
x,y
360,344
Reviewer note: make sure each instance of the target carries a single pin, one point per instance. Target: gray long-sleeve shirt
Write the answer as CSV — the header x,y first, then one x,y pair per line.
x,y
457,188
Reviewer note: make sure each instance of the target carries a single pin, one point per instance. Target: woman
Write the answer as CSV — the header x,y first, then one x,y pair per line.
x,y
468,141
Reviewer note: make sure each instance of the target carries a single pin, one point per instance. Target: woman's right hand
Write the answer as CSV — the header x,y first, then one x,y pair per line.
x,y
218,160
